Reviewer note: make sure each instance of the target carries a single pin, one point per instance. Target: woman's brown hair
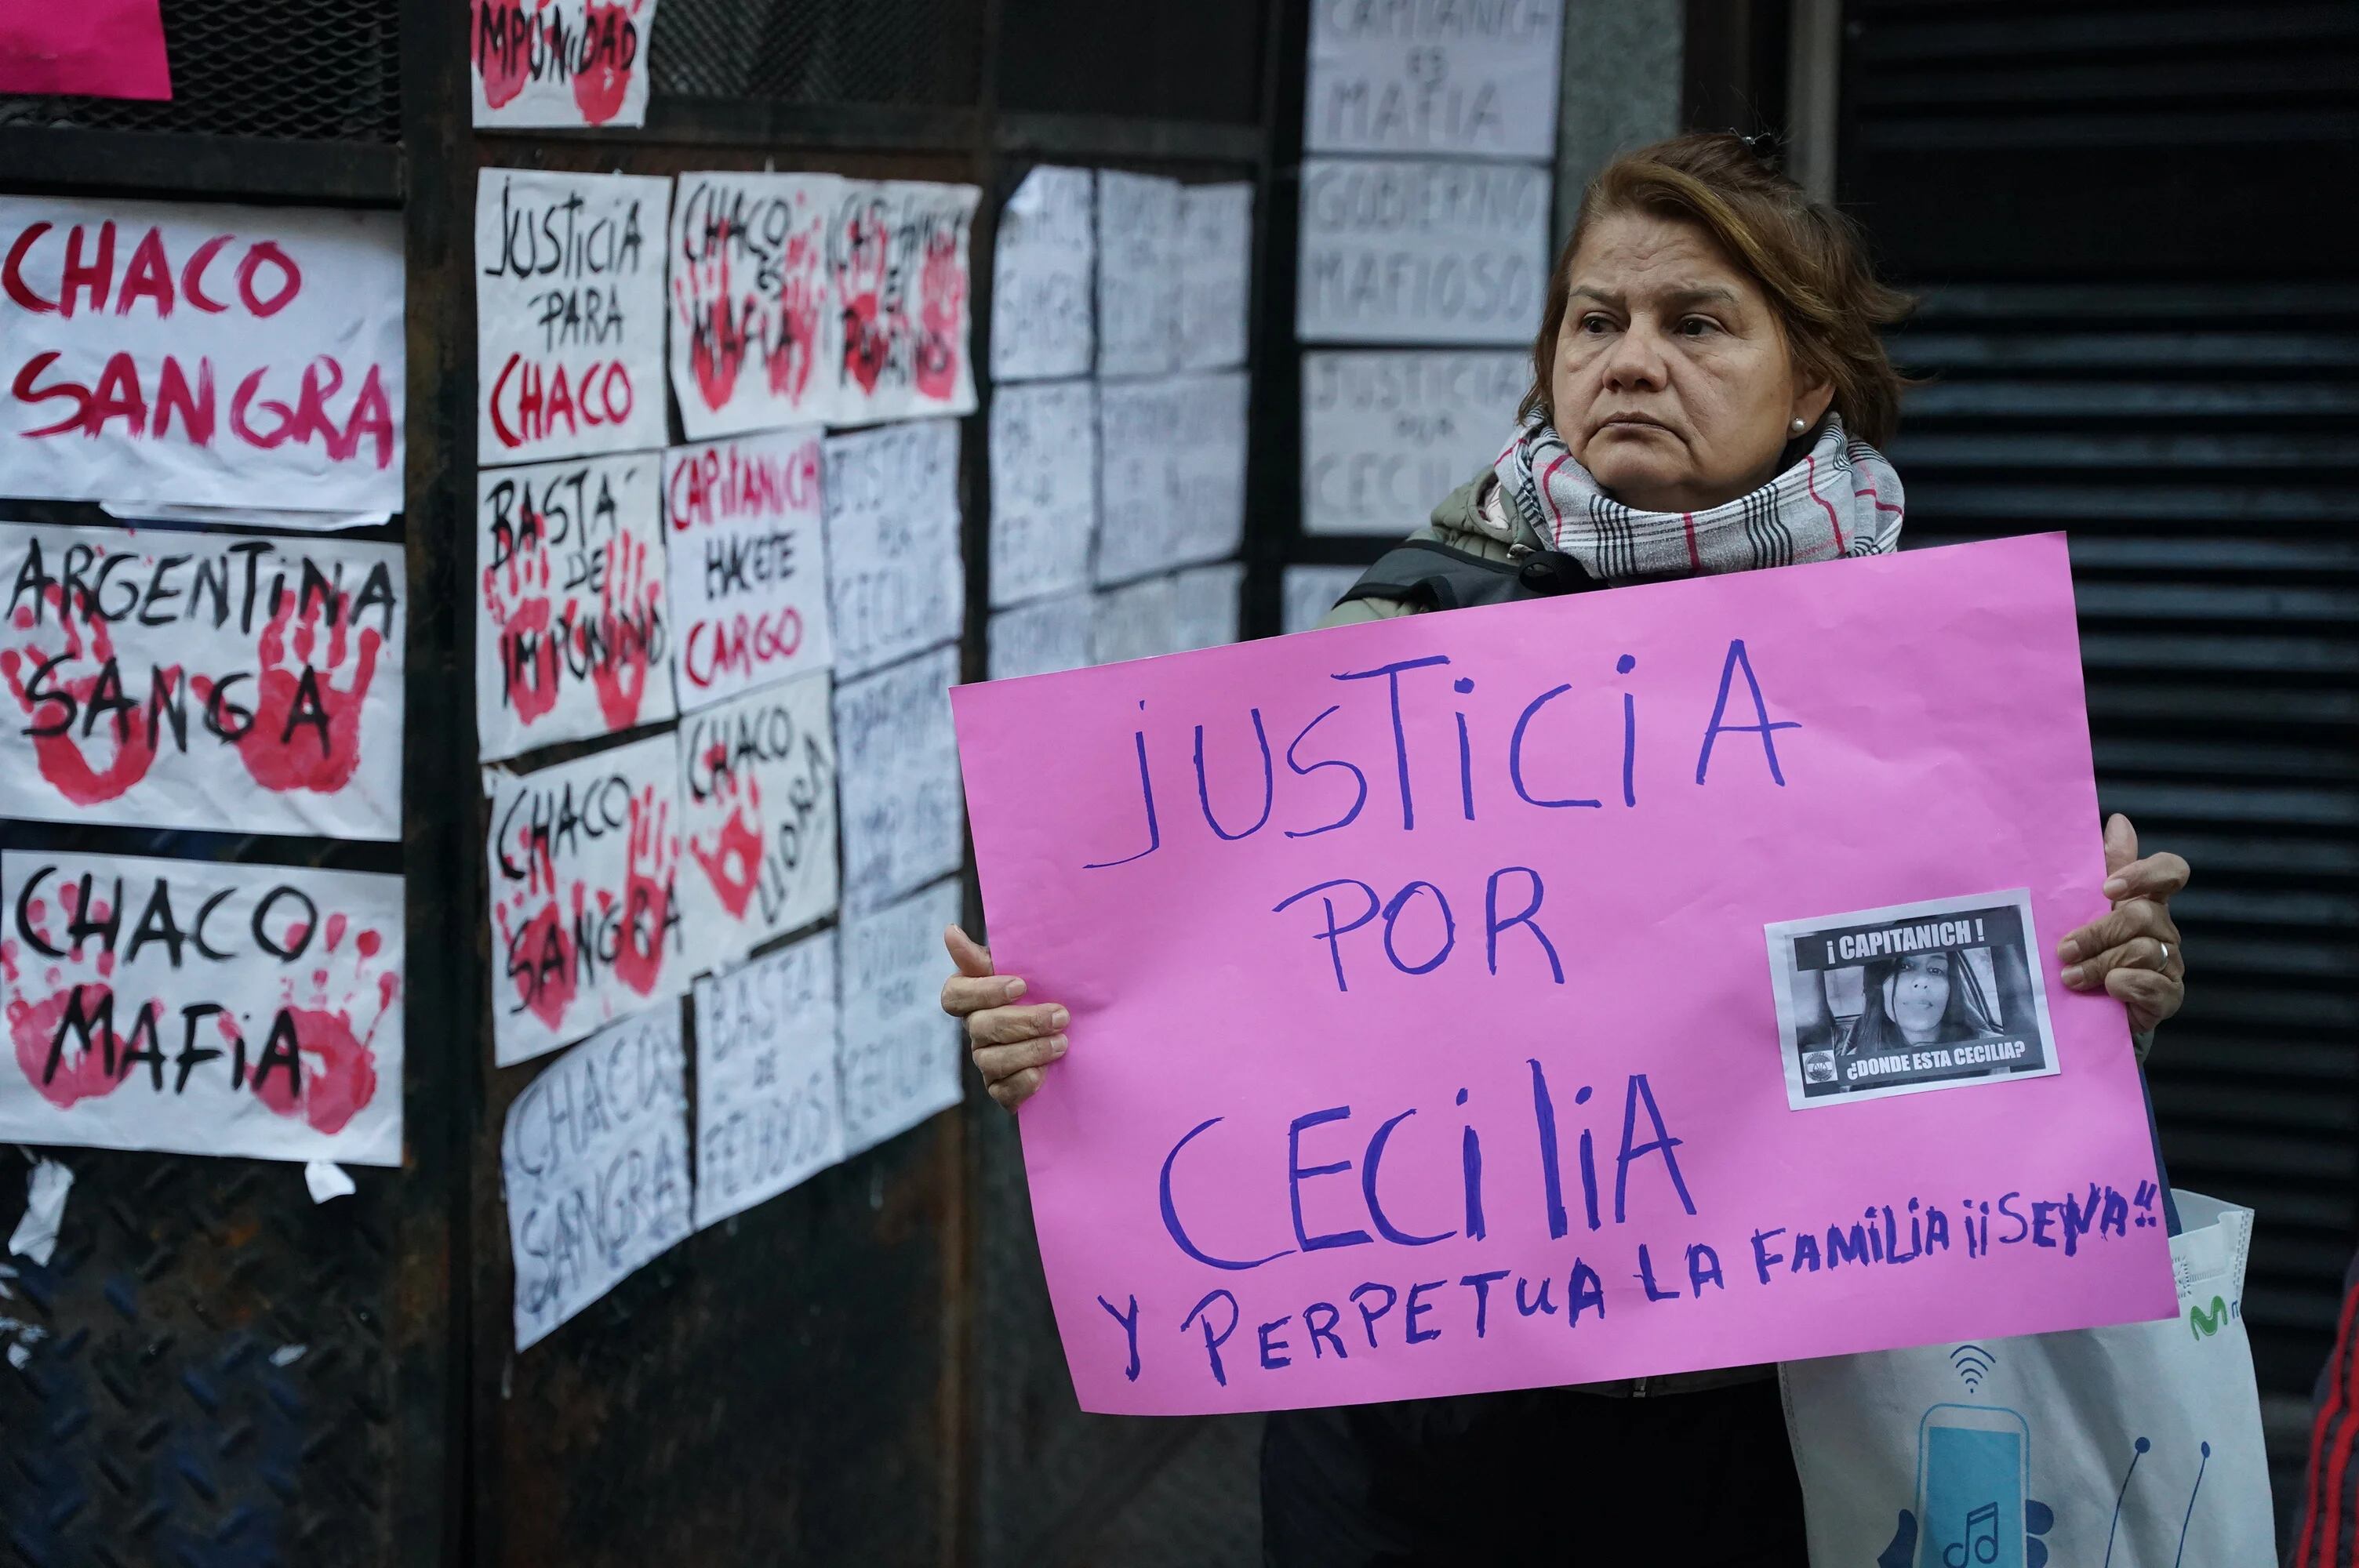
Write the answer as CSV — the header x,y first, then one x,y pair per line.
x,y
1808,258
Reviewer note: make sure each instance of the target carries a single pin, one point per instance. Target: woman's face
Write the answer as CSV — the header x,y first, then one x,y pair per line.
x,y
1916,996
1672,383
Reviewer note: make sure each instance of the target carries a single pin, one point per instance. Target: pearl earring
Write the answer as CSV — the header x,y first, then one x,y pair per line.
x,y
1800,424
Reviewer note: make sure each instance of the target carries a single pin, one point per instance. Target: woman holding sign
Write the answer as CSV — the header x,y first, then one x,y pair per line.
x,y
1709,391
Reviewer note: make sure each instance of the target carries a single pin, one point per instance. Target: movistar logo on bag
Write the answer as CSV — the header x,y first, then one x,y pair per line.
x,y
2204,1325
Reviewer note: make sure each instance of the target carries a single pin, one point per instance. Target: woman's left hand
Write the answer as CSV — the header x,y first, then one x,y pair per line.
x,y
2133,954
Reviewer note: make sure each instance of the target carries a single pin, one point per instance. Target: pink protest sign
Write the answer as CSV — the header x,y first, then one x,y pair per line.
x,y
101,48
1583,989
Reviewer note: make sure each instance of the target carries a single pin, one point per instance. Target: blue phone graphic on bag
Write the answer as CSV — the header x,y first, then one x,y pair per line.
x,y
1972,1466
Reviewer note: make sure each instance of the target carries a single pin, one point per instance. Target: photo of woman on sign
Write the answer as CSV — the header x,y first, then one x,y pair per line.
x,y
1924,999
1919,996
1710,390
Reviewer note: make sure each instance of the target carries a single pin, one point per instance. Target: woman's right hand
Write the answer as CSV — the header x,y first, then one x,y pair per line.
x,y
1011,1045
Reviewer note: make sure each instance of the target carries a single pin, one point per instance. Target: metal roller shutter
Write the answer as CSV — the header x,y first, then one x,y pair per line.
x,y
2137,329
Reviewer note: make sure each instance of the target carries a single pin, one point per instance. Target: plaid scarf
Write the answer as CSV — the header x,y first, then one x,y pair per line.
x,y
1840,499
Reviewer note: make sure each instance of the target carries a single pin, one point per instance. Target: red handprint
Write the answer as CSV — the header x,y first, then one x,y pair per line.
x,y
519,612
734,864
539,943
629,619
79,1015
708,311
796,348
612,51
54,704
293,693
338,1074
860,278
941,306
647,913
506,65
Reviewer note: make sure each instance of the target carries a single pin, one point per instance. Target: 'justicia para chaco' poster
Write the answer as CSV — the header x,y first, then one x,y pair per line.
x,y
573,634
201,1007
569,313
560,63
897,257
201,354
173,679
754,324
584,861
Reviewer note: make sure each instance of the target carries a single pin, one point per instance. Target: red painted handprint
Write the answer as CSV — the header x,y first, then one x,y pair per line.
x,y
505,70
539,943
735,862
860,278
941,309
630,608
613,45
306,731
796,349
517,595
708,312
68,1042
57,705
647,913
339,1065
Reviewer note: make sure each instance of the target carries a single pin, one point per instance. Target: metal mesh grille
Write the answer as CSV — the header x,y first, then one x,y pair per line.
x,y
820,51
316,70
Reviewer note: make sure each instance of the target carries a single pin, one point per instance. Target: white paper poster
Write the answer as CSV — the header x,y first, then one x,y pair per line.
x,y
1044,488
1044,269
754,329
748,563
896,578
201,1007
585,894
201,354
1042,637
904,817
1310,592
1385,436
1137,621
758,782
1206,605
569,313
1410,251
1468,81
574,635
768,1113
1172,473
594,1163
1138,273
1216,266
899,1061
199,680
898,253
560,62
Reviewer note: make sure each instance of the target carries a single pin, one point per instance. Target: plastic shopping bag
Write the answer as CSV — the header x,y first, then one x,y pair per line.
x,y
2135,1446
